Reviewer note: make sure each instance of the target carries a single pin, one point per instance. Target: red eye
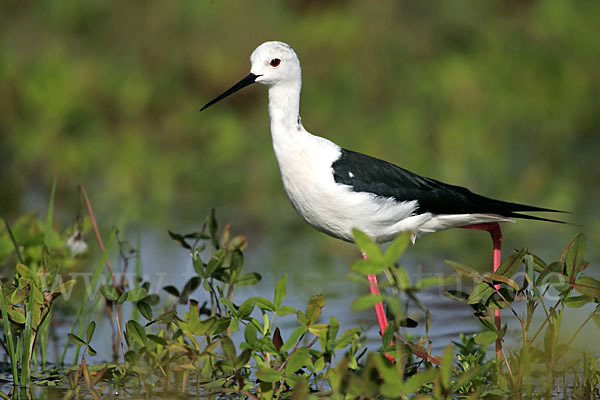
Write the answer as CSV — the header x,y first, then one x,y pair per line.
x,y
275,62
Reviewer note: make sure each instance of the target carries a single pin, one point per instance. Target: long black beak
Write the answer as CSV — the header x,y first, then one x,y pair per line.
x,y
248,80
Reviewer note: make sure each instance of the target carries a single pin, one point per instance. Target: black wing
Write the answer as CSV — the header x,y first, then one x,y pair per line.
x,y
368,174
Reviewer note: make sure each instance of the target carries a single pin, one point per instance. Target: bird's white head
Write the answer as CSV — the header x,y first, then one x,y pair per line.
x,y
273,64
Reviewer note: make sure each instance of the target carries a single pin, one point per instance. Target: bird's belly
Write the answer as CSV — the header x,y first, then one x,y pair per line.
x,y
315,206
335,209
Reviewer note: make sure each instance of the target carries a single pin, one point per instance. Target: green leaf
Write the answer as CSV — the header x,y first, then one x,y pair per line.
x,y
511,264
402,278
24,271
396,249
228,348
498,303
299,359
578,301
38,296
587,286
8,290
236,263
366,301
465,271
301,390
392,389
216,262
280,289
90,331
246,308
157,339
488,324
367,246
264,304
367,267
109,292
294,337
172,290
65,287
319,330
485,338
574,257
213,227
144,309
409,323
21,295
396,307
136,332
133,295
457,295
469,375
267,374
220,325
234,325
243,359
131,356
434,281
551,269
91,351
191,285
248,279
416,382
179,239
196,235
334,327
313,308
198,263
596,316
319,363
250,334
360,279
347,337
388,334
17,314
558,281
481,293
76,339
166,317
5,318
529,277
285,310
538,264
503,279
229,305
446,369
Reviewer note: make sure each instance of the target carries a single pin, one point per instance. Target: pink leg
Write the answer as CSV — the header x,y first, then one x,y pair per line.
x,y
494,229
379,311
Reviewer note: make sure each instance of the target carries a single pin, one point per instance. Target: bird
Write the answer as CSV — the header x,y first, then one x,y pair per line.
x,y
336,190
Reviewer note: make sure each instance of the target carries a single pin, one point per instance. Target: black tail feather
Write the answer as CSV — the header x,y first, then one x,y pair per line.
x,y
531,217
524,207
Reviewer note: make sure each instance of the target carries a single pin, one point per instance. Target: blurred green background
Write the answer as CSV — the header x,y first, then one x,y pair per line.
x,y
500,96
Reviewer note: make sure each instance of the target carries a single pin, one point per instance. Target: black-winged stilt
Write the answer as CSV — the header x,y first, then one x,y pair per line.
x,y
336,190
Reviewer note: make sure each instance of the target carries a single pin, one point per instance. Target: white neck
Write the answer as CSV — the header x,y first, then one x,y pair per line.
x,y
284,109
